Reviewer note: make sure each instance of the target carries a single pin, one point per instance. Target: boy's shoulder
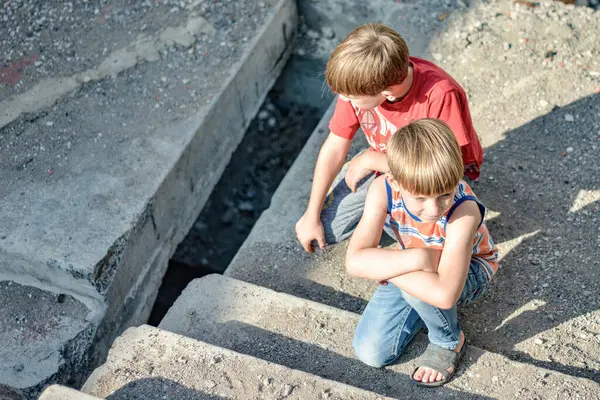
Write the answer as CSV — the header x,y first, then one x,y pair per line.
x,y
380,183
433,79
377,194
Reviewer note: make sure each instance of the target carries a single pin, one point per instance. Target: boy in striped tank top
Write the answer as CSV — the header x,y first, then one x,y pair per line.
x,y
446,257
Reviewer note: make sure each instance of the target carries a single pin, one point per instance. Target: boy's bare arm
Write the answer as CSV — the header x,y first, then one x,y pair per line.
x,y
377,161
444,287
365,260
331,158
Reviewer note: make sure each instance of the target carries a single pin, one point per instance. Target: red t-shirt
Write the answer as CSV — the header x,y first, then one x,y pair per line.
x,y
434,94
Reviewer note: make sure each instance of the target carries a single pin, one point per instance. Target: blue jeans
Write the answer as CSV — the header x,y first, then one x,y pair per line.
x,y
393,318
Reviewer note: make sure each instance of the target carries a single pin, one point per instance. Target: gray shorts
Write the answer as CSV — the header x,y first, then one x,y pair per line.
x,y
343,208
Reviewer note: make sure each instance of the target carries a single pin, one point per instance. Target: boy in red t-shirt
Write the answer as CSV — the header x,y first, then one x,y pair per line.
x,y
381,89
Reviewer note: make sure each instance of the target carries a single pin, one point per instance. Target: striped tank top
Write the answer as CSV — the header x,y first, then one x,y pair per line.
x,y
412,233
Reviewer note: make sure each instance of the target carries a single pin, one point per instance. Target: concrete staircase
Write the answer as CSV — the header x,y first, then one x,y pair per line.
x,y
229,339
279,324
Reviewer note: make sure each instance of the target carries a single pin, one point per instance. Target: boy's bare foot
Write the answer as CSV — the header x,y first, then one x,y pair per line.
x,y
424,374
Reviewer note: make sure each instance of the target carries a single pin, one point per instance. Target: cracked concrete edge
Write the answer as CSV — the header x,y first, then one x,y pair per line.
x,y
134,307
148,48
58,392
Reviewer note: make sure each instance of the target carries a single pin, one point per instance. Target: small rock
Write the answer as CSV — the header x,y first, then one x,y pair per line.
x,y
182,360
312,34
286,391
494,379
301,52
267,381
197,26
263,115
538,341
216,359
272,122
328,32
37,63
210,384
569,118
545,285
543,103
49,123
228,216
19,367
534,261
246,206
587,293
177,35
569,149
326,393
437,56
506,46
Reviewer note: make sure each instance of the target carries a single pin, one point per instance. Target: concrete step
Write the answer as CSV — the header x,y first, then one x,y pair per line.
x,y
57,392
541,156
316,338
109,149
150,363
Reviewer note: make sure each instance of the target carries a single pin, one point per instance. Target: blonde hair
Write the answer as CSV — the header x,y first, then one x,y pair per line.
x,y
424,158
372,58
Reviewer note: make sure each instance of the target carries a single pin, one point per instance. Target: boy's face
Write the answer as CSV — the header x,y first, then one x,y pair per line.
x,y
365,102
426,208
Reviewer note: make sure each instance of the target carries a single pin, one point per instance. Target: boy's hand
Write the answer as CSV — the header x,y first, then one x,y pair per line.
x,y
357,170
309,229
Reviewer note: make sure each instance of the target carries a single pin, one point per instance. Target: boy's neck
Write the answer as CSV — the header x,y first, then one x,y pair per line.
x,y
401,90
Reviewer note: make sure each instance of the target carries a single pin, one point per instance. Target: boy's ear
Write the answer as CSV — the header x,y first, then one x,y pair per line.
x,y
388,94
393,182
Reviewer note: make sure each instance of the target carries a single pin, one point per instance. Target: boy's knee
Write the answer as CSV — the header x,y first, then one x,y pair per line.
x,y
372,354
